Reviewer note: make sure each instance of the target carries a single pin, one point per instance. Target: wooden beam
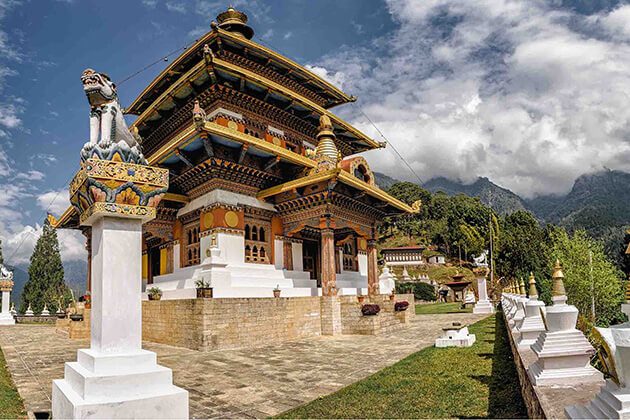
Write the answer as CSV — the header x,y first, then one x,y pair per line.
x,y
243,152
180,154
359,195
207,144
272,162
242,85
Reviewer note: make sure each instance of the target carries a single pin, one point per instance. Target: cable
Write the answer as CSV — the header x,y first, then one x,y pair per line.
x,y
163,58
390,143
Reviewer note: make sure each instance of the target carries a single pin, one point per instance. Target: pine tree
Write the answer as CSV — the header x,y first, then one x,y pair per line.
x,y
45,272
1,256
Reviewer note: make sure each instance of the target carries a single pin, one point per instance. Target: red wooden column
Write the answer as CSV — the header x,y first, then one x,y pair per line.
x,y
329,276
287,255
372,269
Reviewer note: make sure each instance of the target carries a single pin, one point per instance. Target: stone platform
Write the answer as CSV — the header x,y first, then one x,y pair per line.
x,y
233,383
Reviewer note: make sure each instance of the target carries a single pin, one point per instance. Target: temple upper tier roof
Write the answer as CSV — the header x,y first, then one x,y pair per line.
x,y
225,57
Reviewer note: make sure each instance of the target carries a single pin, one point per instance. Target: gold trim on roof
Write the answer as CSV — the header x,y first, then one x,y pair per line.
x,y
63,219
214,128
297,97
342,176
176,141
176,198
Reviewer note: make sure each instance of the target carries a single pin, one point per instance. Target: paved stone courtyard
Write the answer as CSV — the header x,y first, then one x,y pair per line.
x,y
256,383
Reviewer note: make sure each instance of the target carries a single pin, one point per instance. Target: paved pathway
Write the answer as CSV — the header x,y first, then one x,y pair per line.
x,y
232,383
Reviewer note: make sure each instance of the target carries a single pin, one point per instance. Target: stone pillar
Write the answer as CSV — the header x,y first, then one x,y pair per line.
x,y
329,276
287,255
330,308
6,285
483,305
115,378
372,269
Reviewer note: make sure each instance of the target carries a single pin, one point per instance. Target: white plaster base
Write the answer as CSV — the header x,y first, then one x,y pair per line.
x,y
6,318
483,307
456,337
117,386
611,402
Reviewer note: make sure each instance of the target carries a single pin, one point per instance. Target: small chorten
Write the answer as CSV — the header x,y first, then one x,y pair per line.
x,y
326,139
45,312
29,311
533,323
13,311
234,21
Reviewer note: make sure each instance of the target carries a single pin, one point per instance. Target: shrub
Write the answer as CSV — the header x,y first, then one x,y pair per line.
x,y
370,309
154,291
421,291
401,306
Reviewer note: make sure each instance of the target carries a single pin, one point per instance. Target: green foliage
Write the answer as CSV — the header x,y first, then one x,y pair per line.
x,y
421,291
45,284
604,284
1,256
442,308
11,404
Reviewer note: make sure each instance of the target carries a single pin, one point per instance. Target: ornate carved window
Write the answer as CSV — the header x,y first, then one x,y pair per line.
x,y
191,238
257,236
349,256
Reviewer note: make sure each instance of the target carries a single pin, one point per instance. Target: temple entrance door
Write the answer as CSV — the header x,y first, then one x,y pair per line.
x,y
154,263
310,252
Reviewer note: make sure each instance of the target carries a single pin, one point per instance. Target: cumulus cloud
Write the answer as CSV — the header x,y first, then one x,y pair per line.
x,y
514,90
55,202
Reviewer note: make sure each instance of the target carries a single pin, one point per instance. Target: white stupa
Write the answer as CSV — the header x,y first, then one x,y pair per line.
x,y
29,311
45,312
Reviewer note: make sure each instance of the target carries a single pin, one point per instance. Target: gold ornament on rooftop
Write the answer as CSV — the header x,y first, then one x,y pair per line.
x,y
235,21
522,287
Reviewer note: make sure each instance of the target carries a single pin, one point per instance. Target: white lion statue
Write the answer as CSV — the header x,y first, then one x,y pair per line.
x,y
107,124
482,260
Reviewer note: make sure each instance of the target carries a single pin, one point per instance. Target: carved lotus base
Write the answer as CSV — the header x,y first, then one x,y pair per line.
x,y
121,189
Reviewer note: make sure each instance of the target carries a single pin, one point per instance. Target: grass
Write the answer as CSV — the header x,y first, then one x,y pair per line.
x,y
11,405
441,308
478,382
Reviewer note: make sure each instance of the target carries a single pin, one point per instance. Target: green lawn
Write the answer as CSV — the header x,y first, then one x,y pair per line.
x,y
441,308
11,406
479,382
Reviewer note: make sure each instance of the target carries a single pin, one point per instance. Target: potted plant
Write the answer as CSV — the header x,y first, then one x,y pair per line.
x,y
87,299
203,289
392,296
76,317
360,297
370,309
276,291
401,306
155,293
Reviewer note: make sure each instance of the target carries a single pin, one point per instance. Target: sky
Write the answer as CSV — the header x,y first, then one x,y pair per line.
x,y
529,93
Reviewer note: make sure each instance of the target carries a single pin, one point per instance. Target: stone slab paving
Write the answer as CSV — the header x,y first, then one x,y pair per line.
x,y
254,383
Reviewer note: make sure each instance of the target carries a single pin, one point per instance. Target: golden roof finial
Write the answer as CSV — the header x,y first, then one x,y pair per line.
x,y
326,140
235,21
533,293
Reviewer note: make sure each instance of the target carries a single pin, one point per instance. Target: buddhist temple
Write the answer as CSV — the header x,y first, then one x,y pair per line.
x,y
260,169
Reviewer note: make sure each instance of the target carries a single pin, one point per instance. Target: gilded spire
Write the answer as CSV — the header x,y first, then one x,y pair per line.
x,y
533,293
522,287
558,280
326,140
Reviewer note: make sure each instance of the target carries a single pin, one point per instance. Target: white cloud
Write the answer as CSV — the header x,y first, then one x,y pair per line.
x,y
336,78
31,175
173,6
268,34
150,3
198,31
9,115
287,35
504,89
55,202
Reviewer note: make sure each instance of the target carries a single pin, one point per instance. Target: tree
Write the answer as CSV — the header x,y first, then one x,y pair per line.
x,y
1,256
45,284
524,250
604,286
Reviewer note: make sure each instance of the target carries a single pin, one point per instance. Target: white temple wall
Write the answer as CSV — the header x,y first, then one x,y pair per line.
x,y
298,262
278,247
176,256
362,262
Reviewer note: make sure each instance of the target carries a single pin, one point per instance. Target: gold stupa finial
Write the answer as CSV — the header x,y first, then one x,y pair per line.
x,y
235,21
533,293
522,287
558,280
